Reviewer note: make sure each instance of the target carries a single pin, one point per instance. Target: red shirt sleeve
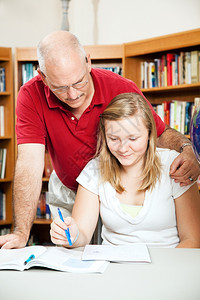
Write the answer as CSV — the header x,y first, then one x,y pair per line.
x,y
29,125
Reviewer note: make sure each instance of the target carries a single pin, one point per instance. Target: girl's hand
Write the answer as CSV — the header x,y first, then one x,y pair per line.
x,y
58,228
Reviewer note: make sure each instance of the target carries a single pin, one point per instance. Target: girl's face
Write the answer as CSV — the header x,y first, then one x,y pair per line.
x,y
127,140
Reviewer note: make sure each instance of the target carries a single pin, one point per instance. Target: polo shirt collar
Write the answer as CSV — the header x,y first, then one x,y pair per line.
x,y
52,100
98,97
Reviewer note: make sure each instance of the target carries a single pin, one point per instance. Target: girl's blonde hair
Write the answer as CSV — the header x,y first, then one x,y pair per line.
x,y
121,107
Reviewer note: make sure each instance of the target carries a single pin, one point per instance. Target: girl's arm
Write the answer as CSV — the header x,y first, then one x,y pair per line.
x,y
83,222
188,218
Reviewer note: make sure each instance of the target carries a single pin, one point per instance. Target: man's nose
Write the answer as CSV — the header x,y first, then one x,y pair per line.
x,y
72,93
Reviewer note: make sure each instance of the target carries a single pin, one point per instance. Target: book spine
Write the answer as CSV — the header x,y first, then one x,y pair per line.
x,y
3,164
2,126
2,205
2,80
194,66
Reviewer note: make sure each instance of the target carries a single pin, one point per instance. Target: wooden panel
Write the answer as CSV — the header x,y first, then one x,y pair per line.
x,y
96,52
105,51
5,53
26,54
163,43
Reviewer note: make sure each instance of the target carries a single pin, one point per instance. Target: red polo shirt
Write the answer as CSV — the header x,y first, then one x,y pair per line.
x,y
43,119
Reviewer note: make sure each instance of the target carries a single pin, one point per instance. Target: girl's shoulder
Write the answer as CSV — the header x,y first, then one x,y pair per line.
x,y
89,176
166,155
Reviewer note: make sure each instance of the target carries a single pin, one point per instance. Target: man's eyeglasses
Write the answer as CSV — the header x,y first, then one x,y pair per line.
x,y
76,86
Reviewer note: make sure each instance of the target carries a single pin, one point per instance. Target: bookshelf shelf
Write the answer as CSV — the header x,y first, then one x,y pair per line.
x,y
5,94
45,179
5,180
8,222
173,88
7,139
42,221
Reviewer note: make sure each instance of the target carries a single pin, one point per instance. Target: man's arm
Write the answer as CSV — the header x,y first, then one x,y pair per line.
x,y
27,188
185,166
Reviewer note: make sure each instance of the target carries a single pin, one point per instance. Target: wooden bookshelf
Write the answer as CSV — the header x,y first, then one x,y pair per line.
x,y
7,140
149,49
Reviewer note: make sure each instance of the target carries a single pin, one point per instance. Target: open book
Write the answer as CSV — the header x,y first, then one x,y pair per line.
x,y
57,258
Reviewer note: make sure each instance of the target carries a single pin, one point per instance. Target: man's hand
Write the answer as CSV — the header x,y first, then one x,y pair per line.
x,y
13,240
185,168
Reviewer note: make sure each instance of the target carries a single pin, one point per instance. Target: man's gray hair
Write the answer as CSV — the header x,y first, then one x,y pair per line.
x,y
55,44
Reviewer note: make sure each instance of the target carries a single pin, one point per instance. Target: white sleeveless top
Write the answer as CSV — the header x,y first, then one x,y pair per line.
x,y
155,223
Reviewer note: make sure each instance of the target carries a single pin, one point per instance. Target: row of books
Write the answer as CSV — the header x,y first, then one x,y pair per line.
x,y
43,211
2,80
171,69
177,114
29,70
2,205
117,69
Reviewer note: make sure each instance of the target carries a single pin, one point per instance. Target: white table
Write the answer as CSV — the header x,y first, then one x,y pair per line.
x,y
174,274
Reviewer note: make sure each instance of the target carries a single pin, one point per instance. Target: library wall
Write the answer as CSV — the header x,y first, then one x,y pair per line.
x,y
24,22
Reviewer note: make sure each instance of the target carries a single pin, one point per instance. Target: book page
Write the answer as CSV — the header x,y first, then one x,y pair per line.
x,y
15,258
122,253
67,260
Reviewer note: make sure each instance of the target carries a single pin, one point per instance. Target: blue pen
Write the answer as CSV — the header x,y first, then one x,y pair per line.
x,y
31,257
66,230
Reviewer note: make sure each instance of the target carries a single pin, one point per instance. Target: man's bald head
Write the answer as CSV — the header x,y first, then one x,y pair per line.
x,y
56,49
